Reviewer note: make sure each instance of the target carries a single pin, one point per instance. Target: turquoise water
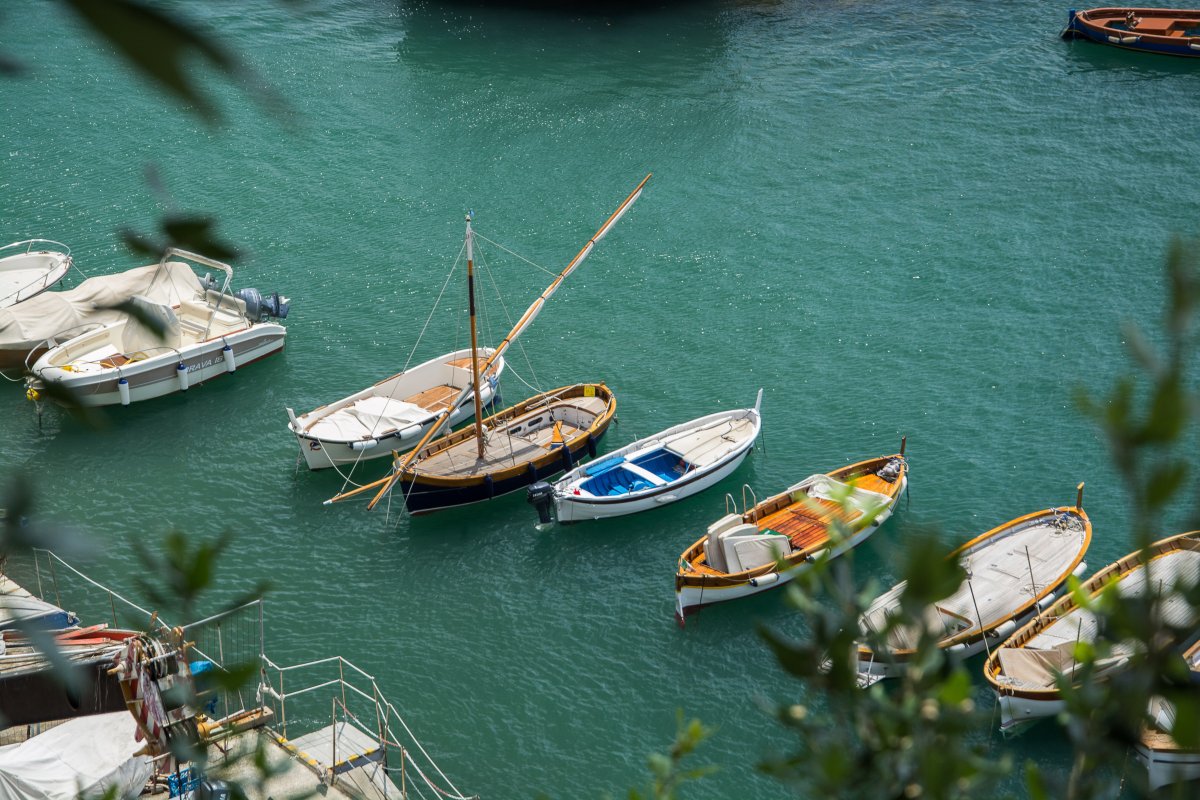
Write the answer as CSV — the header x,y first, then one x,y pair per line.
x,y
896,218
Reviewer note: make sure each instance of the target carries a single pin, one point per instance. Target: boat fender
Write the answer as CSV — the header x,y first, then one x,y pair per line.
x,y
182,373
365,444
591,446
123,390
1047,601
230,360
409,433
567,459
1194,44
666,498
959,649
541,496
765,580
1122,39
814,556
1004,629
490,486
1080,570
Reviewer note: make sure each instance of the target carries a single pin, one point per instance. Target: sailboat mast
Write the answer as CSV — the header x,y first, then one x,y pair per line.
x,y
474,338
401,463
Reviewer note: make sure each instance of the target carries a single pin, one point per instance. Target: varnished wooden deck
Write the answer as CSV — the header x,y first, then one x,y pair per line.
x,y
807,523
502,449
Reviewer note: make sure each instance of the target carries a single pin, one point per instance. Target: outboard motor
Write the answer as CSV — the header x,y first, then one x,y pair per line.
x,y
259,307
541,496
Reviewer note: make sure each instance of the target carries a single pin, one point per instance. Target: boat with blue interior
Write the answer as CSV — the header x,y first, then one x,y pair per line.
x,y
670,465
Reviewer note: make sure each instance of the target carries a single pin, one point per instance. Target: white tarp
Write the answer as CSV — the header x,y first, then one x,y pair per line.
x,y
24,326
82,757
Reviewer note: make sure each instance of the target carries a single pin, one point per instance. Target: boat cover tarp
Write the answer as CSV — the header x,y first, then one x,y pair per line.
x,y
26,325
80,758
18,604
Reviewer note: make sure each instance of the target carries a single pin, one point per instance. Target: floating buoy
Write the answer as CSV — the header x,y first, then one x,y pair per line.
x,y
181,372
123,390
32,395
230,361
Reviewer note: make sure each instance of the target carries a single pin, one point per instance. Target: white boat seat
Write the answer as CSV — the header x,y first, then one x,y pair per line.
x,y
743,552
712,547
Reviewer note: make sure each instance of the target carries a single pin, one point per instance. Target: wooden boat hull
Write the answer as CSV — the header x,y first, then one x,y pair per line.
x,y
1023,702
425,490
1164,31
695,587
1073,528
573,505
322,449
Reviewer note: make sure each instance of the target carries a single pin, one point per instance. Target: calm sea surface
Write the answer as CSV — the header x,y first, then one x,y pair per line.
x,y
898,218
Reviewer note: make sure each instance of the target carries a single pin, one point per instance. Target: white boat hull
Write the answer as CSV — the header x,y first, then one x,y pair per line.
x,y
1164,767
571,505
160,376
690,598
569,509
1017,712
325,453
29,273
323,446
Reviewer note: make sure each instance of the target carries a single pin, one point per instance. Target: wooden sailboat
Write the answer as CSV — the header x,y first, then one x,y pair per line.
x,y
537,438
777,539
1024,670
1013,571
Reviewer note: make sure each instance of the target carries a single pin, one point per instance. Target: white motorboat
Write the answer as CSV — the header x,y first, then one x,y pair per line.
x,y
165,349
31,267
1013,571
394,414
31,328
655,471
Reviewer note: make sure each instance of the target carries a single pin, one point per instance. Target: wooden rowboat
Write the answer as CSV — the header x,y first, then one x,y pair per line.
x,y
1168,31
771,543
1013,571
1023,671
652,472
1166,761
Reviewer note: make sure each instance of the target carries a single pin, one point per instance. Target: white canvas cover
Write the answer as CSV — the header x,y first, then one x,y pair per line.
x,y
80,758
24,326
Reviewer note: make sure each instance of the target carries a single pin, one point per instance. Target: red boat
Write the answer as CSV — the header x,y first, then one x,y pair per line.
x,y
1168,31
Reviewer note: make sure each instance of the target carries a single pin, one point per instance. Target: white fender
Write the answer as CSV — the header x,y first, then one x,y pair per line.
x,y
1005,629
182,373
230,361
365,444
123,390
1080,570
765,580
410,432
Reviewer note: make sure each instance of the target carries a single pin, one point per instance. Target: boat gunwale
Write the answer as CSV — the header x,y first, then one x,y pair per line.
x,y
708,580
682,480
976,633
1113,573
412,474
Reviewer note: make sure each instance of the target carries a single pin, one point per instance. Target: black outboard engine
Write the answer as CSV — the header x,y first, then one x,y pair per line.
x,y
541,496
259,307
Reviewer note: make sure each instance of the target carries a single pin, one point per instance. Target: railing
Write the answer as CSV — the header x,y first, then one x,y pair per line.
x,y
335,686
43,282
312,695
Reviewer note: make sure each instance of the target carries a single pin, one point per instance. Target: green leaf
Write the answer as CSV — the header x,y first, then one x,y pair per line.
x,y
158,45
